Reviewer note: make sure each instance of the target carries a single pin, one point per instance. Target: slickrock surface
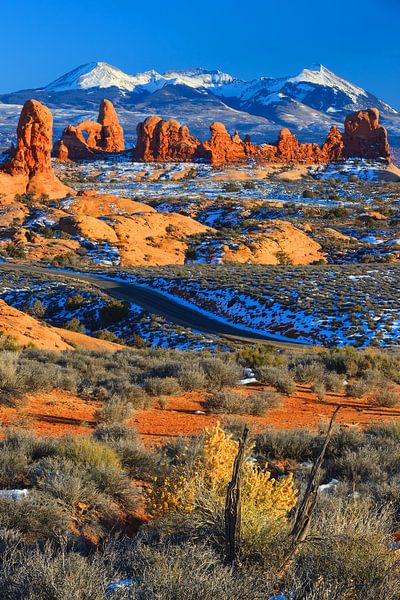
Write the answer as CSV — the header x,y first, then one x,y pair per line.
x,y
28,331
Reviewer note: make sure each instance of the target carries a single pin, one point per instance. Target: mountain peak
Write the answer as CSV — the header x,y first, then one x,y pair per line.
x,y
95,74
318,74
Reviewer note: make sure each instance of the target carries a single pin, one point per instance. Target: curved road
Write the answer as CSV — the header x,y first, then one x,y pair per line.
x,y
157,303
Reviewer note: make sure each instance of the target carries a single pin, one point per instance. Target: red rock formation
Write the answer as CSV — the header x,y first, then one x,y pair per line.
x,y
30,166
89,139
159,140
112,134
222,148
334,145
364,137
289,150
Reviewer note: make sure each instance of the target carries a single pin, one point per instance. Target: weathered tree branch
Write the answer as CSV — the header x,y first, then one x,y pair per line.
x,y
306,508
233,504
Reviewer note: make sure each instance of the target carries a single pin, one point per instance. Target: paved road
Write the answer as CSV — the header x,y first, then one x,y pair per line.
x,y
156,303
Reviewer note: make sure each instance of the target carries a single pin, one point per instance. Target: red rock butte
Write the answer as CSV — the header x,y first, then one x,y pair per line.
x,y
29,170
90,139
166,140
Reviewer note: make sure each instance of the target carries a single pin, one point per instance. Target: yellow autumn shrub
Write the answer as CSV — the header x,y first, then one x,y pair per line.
x,y
263,498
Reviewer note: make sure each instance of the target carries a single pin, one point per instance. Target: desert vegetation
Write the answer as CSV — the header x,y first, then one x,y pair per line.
x,y
69,524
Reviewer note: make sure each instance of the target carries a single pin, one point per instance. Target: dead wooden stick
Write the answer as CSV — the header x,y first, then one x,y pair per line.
x,y
233,504
306,508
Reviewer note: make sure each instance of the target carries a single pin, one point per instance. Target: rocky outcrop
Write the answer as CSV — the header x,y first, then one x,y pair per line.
x,y
29,170
27,331
364,137
333,146
159,140
222,148
90,139
283,243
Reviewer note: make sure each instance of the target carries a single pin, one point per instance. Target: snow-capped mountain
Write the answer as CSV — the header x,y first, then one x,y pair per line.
x,y
308,102
315,86
102,75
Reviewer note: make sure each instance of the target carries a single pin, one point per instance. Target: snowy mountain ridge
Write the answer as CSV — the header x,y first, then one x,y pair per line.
x,y
103,75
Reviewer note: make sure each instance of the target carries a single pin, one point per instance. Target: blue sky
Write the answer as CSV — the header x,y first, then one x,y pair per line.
x,y
359,40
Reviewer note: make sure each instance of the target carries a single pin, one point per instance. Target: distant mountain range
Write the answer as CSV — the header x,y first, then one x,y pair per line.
x,y
307,103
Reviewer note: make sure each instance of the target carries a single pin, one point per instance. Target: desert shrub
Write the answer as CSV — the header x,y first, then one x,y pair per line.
x,y
191,570
85,451
358,389
74,325
63,480
220,373
37,309
225,402
309,372
115,389
114,483
41,376
8,342
250,404
333,382
319,390
198,489
157,386
345,439
297,444
191,377
42,573
75,301
163,369
309,194
137,460
261,402
353,551
260,355
15,251
113,312
114,412
278,377
385,430
12,467
108,336
11,384
36,517
357,466
385,396
343,361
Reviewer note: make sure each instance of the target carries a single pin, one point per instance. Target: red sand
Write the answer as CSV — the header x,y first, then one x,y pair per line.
x,y
59,413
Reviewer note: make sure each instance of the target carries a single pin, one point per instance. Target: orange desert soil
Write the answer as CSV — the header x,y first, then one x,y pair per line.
x,y
59,413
